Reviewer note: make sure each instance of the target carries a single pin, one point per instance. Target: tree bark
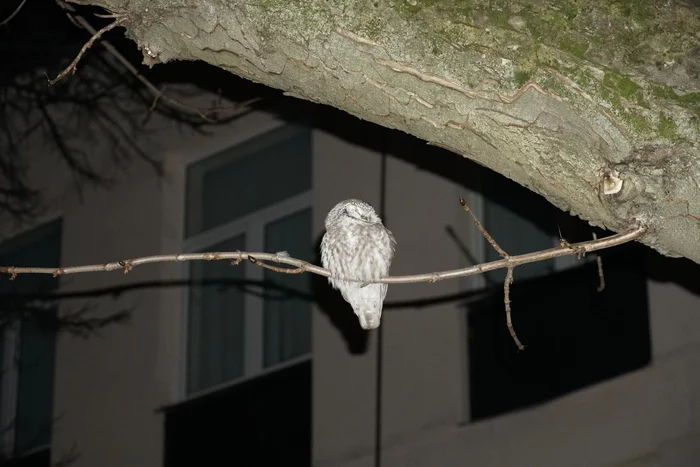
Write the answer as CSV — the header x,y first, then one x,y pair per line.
x,y
594,105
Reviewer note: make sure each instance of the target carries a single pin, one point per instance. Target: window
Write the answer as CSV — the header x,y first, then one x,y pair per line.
x,y
27,348
575,335
248,378
243,320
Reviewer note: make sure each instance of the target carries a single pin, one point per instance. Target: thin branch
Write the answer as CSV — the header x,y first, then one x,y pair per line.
x,y
601,275
13,14
483,231
257,262
304,266
509,275
506,300
159,96
71,68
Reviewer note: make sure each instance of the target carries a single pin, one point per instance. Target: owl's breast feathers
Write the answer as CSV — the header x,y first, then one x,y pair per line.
x,y
359,252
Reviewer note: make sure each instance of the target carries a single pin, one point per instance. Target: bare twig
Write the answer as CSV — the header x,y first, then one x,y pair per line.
x,y
483,231
257,262
511,261
71,68
506,300
509,275
601,275
209,115
13,14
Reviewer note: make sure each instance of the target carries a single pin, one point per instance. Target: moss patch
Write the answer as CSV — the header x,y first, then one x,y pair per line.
x,y
625,86
372,28
636,9
668,93
667,128
522,77
575,47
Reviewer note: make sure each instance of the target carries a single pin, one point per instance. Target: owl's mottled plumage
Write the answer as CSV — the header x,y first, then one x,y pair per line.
x,y
358,246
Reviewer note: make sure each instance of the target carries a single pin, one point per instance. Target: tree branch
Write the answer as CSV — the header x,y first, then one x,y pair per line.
x,y
506,300
601,274
71,68
304,266
509,275
210,115
463,78
13,14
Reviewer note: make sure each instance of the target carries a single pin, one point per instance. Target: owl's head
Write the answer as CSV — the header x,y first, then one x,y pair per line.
x,y
352,210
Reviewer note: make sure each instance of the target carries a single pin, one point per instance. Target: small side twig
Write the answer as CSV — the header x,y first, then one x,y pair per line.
x,y
483,231
601,275
509,275
257,262
210,115
13,14
506,301
72,67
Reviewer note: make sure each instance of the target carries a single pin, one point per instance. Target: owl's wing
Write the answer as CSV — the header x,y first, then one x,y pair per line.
x,y
391,241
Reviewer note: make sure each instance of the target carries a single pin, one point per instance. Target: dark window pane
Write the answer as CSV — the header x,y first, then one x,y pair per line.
x,y
216,320
287,318
39,458
35,392
36,356
575,335
248,177
3,370
265,421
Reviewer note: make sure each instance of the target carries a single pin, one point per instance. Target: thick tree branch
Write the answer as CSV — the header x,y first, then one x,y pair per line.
x,y
593,105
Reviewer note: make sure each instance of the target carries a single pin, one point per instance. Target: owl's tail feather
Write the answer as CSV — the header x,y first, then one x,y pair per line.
x,y
369,319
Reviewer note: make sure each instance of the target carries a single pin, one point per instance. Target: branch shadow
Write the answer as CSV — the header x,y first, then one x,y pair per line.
x,y
87,320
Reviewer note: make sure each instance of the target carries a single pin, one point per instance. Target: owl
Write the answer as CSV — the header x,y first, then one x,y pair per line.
x,y
357,246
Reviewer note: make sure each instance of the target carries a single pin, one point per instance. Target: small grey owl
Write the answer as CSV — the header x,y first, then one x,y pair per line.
x,y
358,246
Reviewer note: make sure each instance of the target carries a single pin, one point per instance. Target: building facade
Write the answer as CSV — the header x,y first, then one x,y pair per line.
x,y
221,364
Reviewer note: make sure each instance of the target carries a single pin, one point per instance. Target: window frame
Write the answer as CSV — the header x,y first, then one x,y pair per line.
x,y
252,225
